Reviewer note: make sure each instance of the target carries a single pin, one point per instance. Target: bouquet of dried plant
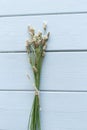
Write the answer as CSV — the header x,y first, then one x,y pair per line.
x,y
36,47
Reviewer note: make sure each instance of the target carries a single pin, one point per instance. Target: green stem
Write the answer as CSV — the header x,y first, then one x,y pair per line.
x,y
35,115
37,74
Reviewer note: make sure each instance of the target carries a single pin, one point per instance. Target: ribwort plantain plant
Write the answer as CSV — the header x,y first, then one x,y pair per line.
x,y
36,46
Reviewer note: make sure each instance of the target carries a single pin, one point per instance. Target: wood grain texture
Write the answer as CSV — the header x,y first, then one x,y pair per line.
x,y
60,71
67,32
11,7
60,111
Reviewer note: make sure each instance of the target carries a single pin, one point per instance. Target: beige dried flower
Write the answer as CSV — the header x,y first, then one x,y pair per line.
x,y
48,34
31,30
44,47
39,42
35,69
43,54
45,38
43,42
39,33
44,25
36,44
27,43
34,39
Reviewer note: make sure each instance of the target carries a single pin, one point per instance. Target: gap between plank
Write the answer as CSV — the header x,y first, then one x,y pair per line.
x,y
45,91
70,50
39,14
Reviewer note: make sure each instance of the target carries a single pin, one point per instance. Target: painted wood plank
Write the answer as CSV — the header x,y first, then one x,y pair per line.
x,y
60,71
67,31
60,111
44,6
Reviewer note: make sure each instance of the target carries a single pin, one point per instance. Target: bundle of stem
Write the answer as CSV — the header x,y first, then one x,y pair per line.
x,y
36,47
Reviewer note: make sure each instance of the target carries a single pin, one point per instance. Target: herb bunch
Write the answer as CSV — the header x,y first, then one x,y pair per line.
x,y
36,46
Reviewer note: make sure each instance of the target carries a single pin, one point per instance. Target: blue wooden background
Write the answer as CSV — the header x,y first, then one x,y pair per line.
x,y
64,72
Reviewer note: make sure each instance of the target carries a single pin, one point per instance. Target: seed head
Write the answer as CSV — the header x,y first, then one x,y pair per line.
x,y
46,38
48,34
31,30
44,25
44,47
35,69
39,33
27,43
43,54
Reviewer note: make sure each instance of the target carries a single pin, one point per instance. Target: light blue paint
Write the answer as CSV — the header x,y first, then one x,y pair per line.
x,y
67,31
41,6
60,71
64,74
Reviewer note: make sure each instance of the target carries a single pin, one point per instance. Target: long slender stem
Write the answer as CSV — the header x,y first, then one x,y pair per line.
x,y
36,47
35,114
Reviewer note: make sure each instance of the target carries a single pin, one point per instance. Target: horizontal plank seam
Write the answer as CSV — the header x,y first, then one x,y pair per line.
x,y
75,50
39,14
47,91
